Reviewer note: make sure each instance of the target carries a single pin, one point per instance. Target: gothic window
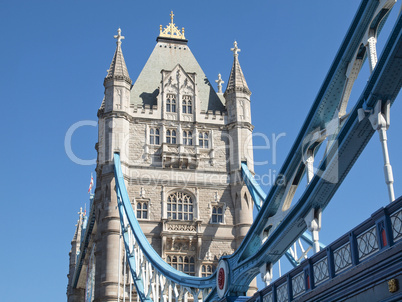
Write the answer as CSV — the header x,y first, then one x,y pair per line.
x,y
171,136
185,264
203,140
184,106
187,137
180,206
154,136
217,214
171,103
207,270
142,210
187,104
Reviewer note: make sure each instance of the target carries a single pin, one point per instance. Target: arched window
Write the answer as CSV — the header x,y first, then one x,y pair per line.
x,y
171,136
207,270
184,107
180,206
185,264
187,104
171,103
203,139
142,210
187,137
154,136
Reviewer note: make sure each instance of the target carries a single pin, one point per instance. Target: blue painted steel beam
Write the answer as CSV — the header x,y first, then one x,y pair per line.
x,y
384,84
152,256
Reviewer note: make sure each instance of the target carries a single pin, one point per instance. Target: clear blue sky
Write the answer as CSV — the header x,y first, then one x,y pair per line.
x,y
54,56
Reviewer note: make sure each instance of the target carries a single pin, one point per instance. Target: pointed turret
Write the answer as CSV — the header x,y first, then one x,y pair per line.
x,y
236,82
117,82
118,69
117,99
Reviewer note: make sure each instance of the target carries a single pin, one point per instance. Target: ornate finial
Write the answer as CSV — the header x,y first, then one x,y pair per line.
x,y
235,49
171,31
119,37
220,82
171,17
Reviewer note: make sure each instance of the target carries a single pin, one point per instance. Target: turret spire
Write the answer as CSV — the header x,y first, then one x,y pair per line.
x,y
236,82
118,69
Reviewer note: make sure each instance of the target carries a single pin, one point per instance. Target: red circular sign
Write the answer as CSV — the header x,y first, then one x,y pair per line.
x,y
221,278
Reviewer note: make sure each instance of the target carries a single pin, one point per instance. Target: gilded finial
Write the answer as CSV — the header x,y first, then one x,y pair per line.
x,y
171,17
171,31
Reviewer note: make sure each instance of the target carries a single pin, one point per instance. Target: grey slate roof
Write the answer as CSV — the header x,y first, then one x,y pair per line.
x,y
237,82
118,68
165,56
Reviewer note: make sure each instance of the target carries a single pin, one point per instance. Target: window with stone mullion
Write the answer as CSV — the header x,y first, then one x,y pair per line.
x,y
185,264
154,136
171,103
180,207
171,136
203,140
217,214
187,137
142,210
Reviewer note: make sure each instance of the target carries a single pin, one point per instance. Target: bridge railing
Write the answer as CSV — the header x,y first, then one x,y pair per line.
x,y
381,231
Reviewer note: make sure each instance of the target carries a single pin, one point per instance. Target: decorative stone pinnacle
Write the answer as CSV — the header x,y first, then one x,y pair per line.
x,y
119,37
235,49
220,82
171,31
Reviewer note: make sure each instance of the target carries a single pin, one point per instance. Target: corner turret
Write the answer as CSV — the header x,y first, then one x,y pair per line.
x,y
117,81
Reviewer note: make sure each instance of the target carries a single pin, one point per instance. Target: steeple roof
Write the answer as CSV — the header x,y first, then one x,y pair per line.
x,y
236,82
118,69
169,52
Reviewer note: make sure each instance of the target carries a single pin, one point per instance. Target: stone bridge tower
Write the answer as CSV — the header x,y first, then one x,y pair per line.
x,y
181,146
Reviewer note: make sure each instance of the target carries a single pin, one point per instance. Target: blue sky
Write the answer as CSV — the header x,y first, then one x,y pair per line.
x,y
54,57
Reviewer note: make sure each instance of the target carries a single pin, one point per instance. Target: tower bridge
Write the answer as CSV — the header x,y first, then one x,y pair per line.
x,y
171,215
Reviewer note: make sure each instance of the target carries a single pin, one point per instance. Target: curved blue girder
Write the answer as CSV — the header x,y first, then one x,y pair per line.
x,y
384,84
351,135
125,209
